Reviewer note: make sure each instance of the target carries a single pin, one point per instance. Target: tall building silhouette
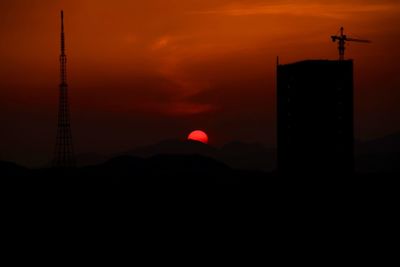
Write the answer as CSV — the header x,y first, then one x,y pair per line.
x,y
315,117
64,152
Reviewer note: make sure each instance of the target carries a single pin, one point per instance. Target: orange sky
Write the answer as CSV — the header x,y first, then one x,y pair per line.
x,y
143,71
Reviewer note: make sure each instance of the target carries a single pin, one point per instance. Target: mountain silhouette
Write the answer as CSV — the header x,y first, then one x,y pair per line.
x,y
166,168
188,162
12,169
379,155
251,156
186,147
129,170
85,159
383,145
238,155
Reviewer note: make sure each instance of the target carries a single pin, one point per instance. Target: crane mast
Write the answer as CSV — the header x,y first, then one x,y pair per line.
x,y
342,39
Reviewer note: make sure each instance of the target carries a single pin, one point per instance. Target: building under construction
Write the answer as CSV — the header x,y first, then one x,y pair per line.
x,y
315,117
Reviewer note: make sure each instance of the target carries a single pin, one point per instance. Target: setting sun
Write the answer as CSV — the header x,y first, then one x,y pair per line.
x,y
198,136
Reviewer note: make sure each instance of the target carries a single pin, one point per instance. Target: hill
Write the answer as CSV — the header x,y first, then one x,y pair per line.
x,y
381,155
128,170
238,155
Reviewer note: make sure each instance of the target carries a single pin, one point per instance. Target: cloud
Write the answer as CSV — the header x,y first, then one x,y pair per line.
x,y
187,109
331,10
160,43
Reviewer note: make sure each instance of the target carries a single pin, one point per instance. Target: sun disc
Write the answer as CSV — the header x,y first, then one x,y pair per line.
x,y
198,136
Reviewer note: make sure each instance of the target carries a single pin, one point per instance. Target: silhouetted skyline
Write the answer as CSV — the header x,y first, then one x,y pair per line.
x,y
145,71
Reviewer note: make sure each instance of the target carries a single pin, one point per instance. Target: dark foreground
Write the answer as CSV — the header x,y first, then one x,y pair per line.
x,y
128,170
156,190
174,169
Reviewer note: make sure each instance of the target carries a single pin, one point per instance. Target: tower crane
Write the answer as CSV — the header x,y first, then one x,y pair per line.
x,y
342,39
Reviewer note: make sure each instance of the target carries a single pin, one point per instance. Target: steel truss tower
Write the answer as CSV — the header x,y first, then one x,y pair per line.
x,y
64,153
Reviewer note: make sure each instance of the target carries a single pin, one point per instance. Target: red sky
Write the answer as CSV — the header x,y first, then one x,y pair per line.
x,y
144,71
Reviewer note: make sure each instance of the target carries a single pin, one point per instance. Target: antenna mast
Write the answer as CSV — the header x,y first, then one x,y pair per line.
x,y
64,153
